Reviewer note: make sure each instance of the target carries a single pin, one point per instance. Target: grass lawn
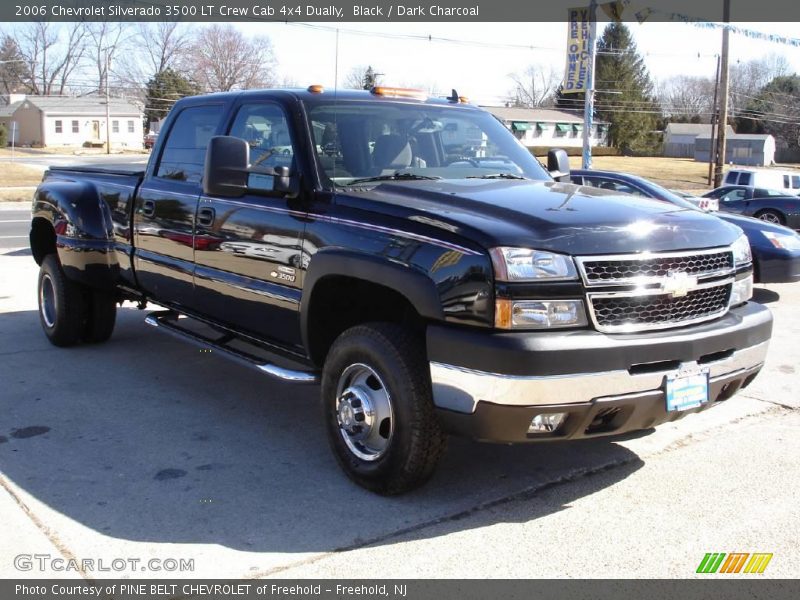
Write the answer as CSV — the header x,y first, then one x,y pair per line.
x,y
676,173
23,195
14,175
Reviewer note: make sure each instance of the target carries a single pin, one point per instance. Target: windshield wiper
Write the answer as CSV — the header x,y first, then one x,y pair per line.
x,y
393,177
496,176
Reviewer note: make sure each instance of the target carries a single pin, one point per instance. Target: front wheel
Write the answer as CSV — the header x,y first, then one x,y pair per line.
x,y
771,216
378,410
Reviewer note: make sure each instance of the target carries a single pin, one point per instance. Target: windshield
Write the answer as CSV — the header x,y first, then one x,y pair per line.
x,y
662,193
364,143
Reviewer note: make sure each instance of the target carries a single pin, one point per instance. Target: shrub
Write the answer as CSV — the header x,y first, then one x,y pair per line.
x,y
572,151
3,136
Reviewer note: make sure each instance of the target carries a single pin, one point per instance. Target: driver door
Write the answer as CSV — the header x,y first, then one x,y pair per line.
x,y
249,259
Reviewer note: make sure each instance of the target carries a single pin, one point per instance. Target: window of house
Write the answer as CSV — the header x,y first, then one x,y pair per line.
x,y
562,129
59,126
184,152
76,128
130,127
115,126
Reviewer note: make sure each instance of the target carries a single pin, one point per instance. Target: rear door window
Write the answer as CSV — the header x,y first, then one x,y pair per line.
x,y
745,179
184,153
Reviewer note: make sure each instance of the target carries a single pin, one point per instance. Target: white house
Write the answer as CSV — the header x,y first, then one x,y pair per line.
x,y
679,138
548,127
69,121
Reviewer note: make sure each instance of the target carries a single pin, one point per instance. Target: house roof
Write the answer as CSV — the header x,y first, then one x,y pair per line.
x,y
693,129
762,137
85,105
6,110
534,115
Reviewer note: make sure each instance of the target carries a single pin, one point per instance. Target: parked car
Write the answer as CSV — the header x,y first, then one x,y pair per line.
x,y
787,182
768,205
150,140
711,204
776,249
472,295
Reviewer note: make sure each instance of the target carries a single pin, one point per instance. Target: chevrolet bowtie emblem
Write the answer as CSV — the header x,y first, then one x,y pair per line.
x,y
678,284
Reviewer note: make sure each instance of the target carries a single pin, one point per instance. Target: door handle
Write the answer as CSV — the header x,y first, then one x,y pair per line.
x,y
205,216
148,208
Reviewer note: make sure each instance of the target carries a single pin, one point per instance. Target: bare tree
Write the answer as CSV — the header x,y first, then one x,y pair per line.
x,y
535,86
104,41
52,53
154,48
748,78
686,97
224,59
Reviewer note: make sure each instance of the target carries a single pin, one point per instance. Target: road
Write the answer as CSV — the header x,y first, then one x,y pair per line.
x,y
15,223
42,161
145,447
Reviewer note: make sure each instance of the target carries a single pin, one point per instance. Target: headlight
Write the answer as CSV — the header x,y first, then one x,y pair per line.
x,y
741,291
741,251
524,264
783,241
539,314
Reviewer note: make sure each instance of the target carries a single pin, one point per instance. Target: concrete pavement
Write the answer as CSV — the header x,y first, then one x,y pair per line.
x,y
145,447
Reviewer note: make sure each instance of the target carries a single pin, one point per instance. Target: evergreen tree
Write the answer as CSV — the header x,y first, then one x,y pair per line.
x,y
370,79
775,110
630,108
13,69
163,90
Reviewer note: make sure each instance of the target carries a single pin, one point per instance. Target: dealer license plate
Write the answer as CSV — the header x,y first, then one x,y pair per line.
x,y
687,391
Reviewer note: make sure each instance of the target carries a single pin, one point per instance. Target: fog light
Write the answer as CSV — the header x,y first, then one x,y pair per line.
x,y
741,291
547,423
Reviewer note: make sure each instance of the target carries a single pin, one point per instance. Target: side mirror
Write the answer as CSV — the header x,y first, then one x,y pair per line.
x,y
225,171
228,172
558,164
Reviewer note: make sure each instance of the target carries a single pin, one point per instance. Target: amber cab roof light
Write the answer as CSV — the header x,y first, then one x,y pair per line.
x,y
316,89
399,92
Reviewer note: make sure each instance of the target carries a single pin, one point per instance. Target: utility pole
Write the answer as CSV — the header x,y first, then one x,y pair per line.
x,y
108,111
723,95
588,105
712,157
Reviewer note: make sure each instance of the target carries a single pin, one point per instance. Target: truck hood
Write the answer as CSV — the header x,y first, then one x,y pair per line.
x,y
546,215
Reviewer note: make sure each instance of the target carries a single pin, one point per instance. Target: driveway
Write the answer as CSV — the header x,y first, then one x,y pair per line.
x,y
146,447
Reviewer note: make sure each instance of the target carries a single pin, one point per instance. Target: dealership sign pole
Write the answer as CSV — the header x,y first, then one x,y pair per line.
x,y
579,73
588,107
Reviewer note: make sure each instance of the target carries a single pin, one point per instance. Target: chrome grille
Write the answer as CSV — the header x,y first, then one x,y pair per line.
x,y
629,312
637,269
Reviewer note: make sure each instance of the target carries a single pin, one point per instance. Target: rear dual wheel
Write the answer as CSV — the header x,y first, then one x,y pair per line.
x,y
69,312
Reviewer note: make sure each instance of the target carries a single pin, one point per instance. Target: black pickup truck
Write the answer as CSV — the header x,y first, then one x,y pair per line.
x,y
412,257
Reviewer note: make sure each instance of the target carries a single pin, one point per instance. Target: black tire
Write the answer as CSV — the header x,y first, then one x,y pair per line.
x,y
414,439
101,316
771,216
62,304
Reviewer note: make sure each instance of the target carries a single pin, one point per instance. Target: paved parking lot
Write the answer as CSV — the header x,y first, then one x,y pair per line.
x,y
145,447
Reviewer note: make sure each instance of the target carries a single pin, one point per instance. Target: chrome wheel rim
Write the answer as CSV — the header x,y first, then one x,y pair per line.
x,y
47,301
364,412
770,218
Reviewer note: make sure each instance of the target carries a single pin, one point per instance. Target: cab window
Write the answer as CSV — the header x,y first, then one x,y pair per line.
x,y
184,153
266,130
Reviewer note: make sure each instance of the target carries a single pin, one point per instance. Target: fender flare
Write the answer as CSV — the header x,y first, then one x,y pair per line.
x,y
83,228
414,286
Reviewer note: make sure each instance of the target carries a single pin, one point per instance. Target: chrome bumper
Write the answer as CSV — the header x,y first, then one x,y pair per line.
x,y
460,390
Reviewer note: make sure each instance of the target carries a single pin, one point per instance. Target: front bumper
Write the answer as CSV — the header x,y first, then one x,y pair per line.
x,y
607,384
